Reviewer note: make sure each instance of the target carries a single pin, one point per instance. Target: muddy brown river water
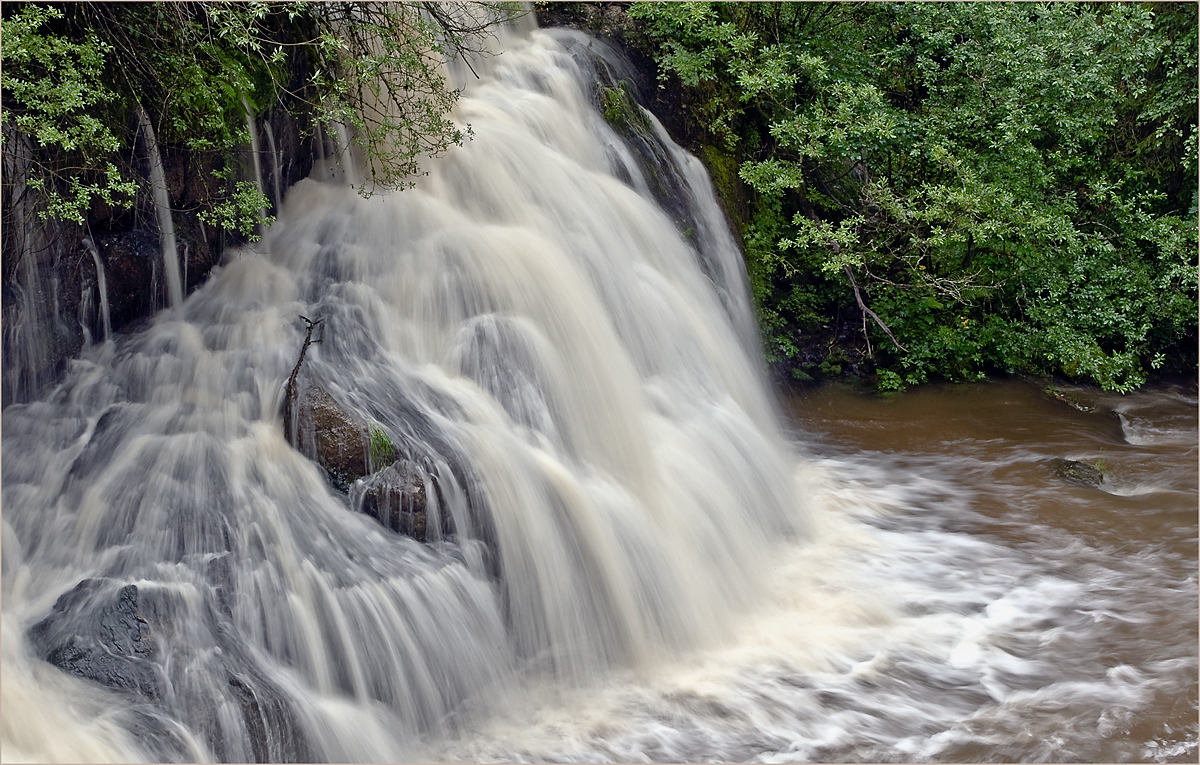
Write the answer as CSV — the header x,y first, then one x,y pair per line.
x,y
1125,549
636,564
962,601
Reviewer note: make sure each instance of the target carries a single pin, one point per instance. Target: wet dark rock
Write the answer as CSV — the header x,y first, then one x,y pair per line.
x,y
49,282
1090,401
396,497
328,434
132,260
1070,397
129,640
97,631
606,20
1077,472
274,733
219,572
157,737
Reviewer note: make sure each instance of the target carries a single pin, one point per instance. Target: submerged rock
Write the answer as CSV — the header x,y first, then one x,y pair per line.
x,y
273,729
127,639
323,431
396,497
112,645
1077,472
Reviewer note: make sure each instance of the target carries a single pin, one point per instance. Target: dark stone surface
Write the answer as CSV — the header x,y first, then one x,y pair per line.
x,y
396,497
1077,472
130,641
50,291
130,263
328,434
271,725
97,632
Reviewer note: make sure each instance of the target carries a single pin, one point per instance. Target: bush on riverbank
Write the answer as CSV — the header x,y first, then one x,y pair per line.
x,y
1000,187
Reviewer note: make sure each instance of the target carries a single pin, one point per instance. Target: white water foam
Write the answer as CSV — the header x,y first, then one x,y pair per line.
x,y
643,569
532,332
883,641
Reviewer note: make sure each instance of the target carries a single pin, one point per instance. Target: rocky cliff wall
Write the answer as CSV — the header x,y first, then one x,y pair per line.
x,y
52,306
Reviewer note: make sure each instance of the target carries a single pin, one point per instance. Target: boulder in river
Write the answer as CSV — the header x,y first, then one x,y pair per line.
x,y
1077,472
347,447
327,433
99,633
396,497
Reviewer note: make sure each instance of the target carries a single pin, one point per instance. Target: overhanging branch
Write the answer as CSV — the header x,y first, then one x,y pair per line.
x,y
868,312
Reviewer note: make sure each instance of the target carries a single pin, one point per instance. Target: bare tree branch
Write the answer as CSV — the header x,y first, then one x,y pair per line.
x,y
868,312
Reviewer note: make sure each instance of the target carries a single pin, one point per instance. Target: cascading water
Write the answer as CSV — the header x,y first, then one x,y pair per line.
x,y
101,286
347,167
622,558
30,334
277,187
255,155
526,328
162,210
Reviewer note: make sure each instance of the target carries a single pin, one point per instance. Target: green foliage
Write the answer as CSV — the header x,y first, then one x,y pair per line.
x,y
382,450
239,211
1014,184
621,110
611,103
379,73
52,88
73,73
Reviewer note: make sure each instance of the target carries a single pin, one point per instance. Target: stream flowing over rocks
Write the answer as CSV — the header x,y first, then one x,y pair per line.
x,y
534,499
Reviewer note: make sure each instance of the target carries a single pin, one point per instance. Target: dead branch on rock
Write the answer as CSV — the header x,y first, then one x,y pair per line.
x,y
290,394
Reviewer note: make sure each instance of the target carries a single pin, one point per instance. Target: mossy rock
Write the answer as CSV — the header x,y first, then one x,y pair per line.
x,y
723,169
1077,472
621,110
322,430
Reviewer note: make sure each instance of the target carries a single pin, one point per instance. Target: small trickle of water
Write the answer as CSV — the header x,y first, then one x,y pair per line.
x,y
102,286
162,209
255,154
346,162
275,155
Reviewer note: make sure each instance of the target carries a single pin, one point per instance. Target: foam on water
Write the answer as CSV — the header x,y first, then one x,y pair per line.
x,y
642,567
892,637
531,331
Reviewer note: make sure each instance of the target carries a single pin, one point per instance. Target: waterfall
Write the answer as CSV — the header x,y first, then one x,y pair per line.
x,y
254,154
345,155
319,142
26,334
162,209
274,163
582,397
101,285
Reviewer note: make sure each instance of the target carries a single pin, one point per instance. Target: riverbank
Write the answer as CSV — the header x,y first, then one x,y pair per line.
x,y
895,231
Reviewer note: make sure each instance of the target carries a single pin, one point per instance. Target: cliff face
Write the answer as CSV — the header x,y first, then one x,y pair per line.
x,y
53,305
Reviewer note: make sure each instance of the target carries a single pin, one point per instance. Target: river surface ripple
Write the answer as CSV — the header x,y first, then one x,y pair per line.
x,y
961,602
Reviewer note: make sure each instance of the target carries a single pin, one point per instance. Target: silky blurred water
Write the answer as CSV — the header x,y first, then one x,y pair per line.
x,y
958,602
576,379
